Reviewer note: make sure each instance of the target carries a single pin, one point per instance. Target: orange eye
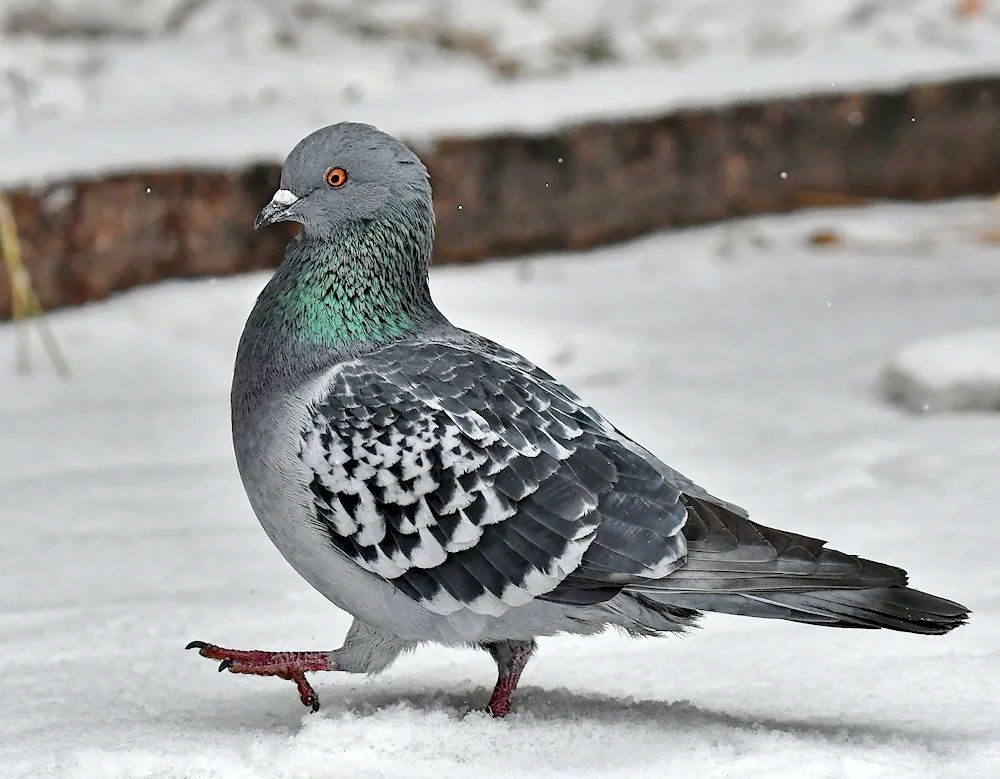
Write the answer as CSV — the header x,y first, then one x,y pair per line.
x,y
336,177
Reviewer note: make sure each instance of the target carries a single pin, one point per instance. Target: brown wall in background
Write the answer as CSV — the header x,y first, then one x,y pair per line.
x,y
510,194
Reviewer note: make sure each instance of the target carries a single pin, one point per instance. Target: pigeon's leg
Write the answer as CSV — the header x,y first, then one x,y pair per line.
x,y
365,650
511,657
285,665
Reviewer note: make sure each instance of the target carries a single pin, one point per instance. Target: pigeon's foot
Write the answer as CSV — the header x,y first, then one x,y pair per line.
x,y
285,665
511,657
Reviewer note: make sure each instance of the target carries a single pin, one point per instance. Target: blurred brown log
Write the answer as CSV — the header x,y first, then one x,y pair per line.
x,y
585,185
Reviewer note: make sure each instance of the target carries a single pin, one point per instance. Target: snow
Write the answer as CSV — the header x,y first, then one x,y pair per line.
x,y
743,354
88,86
949,372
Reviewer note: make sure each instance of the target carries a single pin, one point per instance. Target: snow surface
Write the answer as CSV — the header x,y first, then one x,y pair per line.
x,y
743,354
949,372
88,86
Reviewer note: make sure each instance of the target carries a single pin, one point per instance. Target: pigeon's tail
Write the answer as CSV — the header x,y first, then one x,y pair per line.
x,y
895,608
736,566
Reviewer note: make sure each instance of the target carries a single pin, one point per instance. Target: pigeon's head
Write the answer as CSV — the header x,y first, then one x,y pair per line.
x,y
343,173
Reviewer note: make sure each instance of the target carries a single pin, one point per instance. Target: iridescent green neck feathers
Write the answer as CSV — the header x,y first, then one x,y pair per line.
x,y
364,288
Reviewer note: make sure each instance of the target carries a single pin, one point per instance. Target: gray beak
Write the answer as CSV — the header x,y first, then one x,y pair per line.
x,y
277,210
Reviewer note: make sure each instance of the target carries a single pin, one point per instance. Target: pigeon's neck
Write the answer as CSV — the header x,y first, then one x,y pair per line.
x,y
365,288
332,300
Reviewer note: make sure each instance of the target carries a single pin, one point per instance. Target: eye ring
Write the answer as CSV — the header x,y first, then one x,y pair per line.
x,y
336,177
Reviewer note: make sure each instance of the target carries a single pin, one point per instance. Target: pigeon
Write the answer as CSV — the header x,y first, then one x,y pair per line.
x,y
441,488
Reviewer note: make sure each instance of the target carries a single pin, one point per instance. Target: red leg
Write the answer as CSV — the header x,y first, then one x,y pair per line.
x,y
285,665
511,657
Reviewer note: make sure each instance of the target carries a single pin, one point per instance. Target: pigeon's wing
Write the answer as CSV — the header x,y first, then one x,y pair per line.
x,y
472,480
518,363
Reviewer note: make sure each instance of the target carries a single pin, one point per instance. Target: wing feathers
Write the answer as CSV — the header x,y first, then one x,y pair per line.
x,y
472,480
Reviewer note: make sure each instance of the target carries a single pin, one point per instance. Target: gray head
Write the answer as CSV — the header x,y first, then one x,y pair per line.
x,y
345,173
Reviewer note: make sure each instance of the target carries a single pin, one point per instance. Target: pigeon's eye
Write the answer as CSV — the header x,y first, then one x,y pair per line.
x,y
336,177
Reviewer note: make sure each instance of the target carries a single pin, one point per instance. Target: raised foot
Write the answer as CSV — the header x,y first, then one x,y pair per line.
x,y
285,665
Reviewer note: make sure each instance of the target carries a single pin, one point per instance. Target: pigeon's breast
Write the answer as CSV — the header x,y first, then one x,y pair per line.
x,y
268,442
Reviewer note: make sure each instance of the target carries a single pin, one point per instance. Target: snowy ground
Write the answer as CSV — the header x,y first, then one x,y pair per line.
x,y
958,371
745,355
91,85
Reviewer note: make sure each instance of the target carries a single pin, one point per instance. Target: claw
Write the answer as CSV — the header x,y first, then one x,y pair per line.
x,y
196,645
307,694
227,663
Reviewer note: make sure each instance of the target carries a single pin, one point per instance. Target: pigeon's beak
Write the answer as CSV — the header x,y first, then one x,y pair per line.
x,y
277,210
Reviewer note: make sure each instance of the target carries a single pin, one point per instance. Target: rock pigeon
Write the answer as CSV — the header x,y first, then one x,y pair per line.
x,y
441,488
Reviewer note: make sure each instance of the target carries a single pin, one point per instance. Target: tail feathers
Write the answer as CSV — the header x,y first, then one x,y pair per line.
x,y
737,566
831,570
730,553
894,608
